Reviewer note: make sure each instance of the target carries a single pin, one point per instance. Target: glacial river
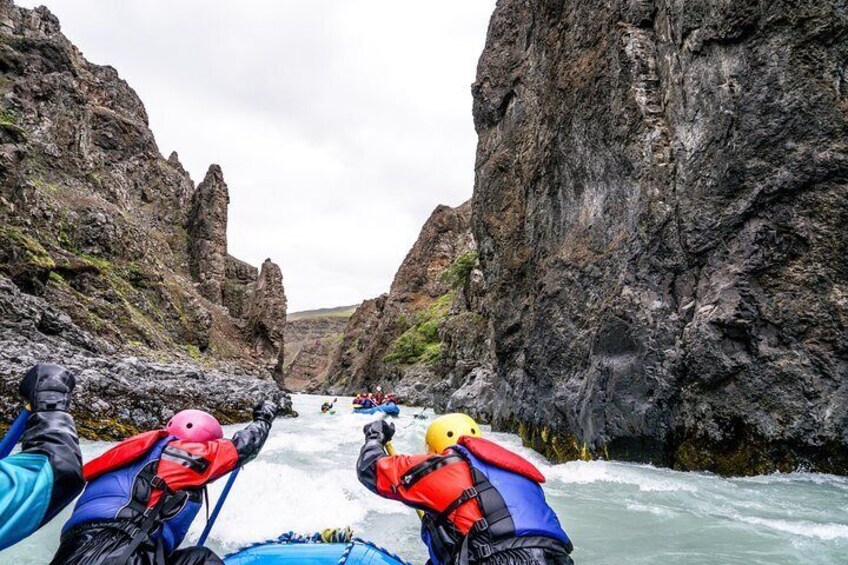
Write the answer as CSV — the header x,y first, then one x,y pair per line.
x,y
615,513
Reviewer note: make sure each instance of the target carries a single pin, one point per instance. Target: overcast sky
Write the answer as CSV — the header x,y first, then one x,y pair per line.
x,y
339,124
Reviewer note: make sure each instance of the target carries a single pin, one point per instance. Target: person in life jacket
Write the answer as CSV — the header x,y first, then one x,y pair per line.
x,y
379,397
328,406
46,475
143,494
366,401
479,502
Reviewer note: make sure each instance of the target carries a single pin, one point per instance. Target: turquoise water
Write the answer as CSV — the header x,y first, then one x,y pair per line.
x,y
615,513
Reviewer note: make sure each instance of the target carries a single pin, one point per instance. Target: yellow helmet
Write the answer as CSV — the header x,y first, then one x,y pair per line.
x,y
446,430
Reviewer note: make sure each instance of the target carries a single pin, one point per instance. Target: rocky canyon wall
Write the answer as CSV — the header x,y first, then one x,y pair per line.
x,y
660,207
111,262
426,338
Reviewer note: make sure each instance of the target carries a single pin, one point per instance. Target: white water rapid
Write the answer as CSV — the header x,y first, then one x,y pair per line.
x,y
616,513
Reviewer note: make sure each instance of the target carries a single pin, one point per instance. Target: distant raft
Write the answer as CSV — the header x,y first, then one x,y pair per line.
x,y
287,549
389,408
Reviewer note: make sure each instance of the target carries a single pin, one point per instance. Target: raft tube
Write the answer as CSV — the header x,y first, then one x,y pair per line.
x,y
389,408
273,553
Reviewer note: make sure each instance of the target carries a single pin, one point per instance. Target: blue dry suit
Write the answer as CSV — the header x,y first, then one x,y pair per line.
x,y
42,479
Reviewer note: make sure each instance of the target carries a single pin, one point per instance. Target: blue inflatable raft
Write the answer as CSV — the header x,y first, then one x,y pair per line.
x,y
357,552
389,408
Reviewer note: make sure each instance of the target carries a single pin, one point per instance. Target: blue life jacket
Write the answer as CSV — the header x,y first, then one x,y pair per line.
x,y
513,507
524,498
124,494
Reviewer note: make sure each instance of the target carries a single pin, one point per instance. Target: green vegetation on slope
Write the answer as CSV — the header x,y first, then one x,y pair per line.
x,y
458,275
420,343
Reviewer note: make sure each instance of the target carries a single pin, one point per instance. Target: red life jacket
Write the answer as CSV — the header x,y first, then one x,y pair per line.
x,y
184,465
503,516
155,480
502,458
122,454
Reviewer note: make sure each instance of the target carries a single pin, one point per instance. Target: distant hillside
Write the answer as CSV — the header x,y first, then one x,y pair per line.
x,y
337,312
425,339
312,337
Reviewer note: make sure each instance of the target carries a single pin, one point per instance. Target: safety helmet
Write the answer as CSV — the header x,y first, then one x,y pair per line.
x,y
194,425
446,430
379,389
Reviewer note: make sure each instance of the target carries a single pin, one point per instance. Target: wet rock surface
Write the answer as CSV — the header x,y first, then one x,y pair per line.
x,y
660,208
119,263
116,395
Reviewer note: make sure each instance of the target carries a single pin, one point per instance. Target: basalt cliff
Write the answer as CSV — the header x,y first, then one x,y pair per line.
x,y
112,261
660,212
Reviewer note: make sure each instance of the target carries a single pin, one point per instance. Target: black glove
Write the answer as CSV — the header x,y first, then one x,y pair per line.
x,y
48,388
380,430
266,411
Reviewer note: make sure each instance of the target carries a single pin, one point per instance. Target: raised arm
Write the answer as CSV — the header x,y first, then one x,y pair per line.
x,y
46,475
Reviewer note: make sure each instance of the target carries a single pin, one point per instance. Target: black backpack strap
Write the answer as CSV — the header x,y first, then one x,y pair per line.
x,y
468,494
497,520
495,525
142,532
150,521
426,467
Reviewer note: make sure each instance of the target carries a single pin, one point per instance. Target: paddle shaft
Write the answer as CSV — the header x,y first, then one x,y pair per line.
x,y
16,431
218,505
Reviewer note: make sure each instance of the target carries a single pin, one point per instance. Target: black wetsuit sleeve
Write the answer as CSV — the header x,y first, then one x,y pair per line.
x,y
366,465
54,435
249,441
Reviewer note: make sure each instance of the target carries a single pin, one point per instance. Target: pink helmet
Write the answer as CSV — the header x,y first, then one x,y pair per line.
x,y
194,425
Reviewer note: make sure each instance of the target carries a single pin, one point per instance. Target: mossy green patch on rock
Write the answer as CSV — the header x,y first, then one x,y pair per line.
x,y
28,248
458,275
740,455
104,429
555,446
10,126
192,351
421,342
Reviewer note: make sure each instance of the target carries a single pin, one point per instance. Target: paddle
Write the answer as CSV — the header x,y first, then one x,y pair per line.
x,y
16,430
218,505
